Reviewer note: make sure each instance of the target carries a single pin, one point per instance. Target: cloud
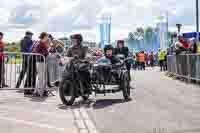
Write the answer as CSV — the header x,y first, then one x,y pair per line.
x,y
25,14
69,16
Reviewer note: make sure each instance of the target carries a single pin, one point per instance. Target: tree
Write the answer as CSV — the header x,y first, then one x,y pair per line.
x,y
13,43
131,36
148,32
139,33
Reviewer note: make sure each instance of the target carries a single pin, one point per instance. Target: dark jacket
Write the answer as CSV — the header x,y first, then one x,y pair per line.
x,y
123,50
79,51
113,59
26,45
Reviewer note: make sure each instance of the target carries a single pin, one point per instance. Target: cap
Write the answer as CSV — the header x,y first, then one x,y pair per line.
x,y
29,33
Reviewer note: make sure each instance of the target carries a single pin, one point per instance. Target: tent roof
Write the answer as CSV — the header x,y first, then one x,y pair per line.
x,y
189,35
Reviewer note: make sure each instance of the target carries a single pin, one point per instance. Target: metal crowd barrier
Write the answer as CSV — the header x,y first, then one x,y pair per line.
x,y
20,70
184,65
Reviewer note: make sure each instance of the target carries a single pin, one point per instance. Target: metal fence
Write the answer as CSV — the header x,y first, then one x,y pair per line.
x,y
28,70
184,65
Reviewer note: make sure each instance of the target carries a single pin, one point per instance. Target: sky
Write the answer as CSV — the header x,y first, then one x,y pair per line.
x,y
65,17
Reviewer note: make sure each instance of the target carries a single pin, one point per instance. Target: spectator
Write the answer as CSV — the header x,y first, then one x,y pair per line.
x,y
32,71
161,58
134,62
137,61
141,57
26,45
52,60
42,49
2,62
151,58
165,61
193,46
181,45
52,66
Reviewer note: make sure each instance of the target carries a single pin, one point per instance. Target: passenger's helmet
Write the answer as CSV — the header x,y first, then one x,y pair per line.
x,y
120,42
108,47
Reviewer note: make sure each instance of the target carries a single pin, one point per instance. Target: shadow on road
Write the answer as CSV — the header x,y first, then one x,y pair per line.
x,y
38,99
20,91
76,105
103,103
98,104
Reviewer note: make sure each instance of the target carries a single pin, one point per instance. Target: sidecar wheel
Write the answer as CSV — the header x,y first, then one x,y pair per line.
x,y
67,92
125,86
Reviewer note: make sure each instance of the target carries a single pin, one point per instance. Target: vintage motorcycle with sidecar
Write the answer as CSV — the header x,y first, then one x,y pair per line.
x,y
81,78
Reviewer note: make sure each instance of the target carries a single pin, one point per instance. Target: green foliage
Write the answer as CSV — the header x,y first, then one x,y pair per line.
x,y
12,47
148,33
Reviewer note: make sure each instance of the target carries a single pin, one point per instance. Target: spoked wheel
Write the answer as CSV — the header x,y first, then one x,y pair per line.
x,y
67,92
125,85
85,97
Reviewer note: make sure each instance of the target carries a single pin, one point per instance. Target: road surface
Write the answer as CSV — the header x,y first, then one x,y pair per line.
x,y
159,105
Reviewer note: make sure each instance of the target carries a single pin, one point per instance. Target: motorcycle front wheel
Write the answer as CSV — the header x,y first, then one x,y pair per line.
x,y
67,92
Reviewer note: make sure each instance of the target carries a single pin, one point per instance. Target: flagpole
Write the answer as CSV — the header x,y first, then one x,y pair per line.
x,y
167,27
197,20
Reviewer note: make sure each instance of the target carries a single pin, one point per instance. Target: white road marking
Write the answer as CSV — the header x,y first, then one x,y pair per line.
x,y
77,114
83,131
91,127
88,122
83,121
80,124
84,114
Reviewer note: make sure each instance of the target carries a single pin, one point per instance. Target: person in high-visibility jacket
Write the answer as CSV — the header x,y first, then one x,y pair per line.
x,y
141,58
161,58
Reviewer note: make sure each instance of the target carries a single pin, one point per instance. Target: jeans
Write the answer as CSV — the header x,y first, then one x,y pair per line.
x,y
2,73
41,78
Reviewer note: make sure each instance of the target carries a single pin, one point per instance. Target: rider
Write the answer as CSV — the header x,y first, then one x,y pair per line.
x,y
77,52
77,49
121,49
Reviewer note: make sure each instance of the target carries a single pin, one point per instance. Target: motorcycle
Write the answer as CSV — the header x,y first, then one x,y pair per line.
x,y
81,78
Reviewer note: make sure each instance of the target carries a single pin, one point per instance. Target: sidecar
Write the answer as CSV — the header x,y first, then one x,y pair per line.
x,y
104,74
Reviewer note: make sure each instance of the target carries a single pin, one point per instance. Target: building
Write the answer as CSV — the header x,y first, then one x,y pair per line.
x,y
105,30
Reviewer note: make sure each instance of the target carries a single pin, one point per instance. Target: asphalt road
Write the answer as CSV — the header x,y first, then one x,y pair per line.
x,y
159,105
19,114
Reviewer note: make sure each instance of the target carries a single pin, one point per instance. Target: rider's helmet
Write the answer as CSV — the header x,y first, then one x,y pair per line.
x,y
76,37
120,43
108,50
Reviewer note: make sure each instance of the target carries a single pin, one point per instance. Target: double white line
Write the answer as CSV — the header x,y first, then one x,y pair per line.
x,y
83,121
